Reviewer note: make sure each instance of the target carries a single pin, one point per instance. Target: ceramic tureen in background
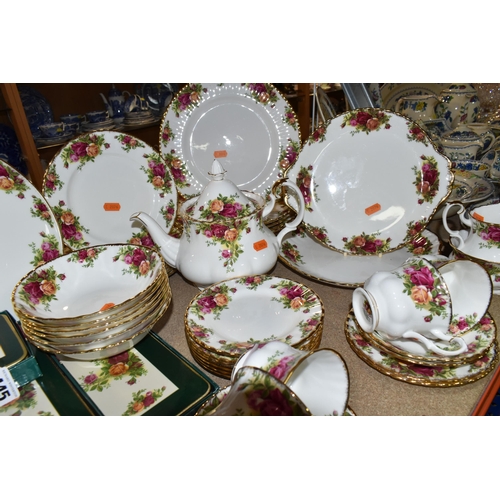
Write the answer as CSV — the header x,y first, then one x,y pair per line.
x,y
224,235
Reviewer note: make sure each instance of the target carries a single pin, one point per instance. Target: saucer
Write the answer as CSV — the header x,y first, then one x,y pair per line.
x,y
49,141
304,255
418,374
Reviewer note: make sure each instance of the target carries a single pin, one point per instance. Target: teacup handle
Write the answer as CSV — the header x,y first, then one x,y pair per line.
x,y
433,347
398,106
452,233
291,226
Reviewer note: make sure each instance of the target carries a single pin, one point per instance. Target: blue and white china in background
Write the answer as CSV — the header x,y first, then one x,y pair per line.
x,y
10,150
37,108
115,104
157,95
418,107
458,104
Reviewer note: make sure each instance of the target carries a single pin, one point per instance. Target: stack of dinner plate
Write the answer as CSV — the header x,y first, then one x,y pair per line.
x,y
93,303
225,320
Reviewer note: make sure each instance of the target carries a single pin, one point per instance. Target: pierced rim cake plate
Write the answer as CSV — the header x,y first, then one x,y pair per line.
x,y
233,315
251,126
368,177
31,234
306,256
98,180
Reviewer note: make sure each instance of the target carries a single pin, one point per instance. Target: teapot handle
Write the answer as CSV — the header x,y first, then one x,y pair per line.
x,y
455,234
291,226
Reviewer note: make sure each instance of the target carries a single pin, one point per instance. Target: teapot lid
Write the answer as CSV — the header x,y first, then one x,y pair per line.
x,y
220,197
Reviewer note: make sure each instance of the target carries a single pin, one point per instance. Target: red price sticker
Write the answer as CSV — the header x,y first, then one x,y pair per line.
x,y
8,389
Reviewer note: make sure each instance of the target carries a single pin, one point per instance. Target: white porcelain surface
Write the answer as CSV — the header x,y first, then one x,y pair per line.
x,y
368,177
31,235
321,381
308,257
233,315
71,286
223,232
251,126
95,182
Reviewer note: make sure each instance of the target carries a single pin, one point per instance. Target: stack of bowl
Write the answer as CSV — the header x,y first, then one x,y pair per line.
x,y
227,319
93,303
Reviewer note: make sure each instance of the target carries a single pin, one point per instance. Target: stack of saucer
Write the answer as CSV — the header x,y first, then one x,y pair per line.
x,y
93,303
107,124
426,325
227,319
139,118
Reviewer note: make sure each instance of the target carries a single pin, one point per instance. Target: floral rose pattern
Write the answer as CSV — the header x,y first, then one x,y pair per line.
x,y
366,244
143,238
309,325
290,118
40,288
415,133
128,142
141,261
426,179
303,181
166,134
199,331
127,364
366,120
288,155
41,210
292,296
213,301
489,233
84,149
86,256
461,324
168,212
224,221
188,98
178,169
425,289
263,93
11,181
71,229
46,251
415,241
158,174
291,253
52,181
142,401
318,135
254,282
265,399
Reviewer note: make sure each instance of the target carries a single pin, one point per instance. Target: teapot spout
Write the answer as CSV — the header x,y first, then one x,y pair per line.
x,y
109,109
169,246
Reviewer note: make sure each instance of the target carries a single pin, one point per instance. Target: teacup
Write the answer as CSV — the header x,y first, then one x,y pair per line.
x,y
255,392
52,130
71,118
275,357
418,107
321,381
416,299
483,238
97,116
476,167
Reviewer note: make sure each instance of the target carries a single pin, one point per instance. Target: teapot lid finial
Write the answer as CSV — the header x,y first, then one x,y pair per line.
x,y
218,171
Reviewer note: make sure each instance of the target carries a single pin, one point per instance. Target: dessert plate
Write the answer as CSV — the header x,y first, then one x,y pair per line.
x,y
31,234
309,258
368,177
414,373
251,126
233,315
98,180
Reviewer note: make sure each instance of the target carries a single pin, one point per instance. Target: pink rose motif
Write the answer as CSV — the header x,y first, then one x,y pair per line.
x,y
147,241
184,101
370,247
362,117
207,303
229,210
3,172
226,254
79,148
293,292
429,174
275,405
119,358
89,379
158,170
218,230
427,371
50,254
422,277
148,399
69,231
138,256
462,324
34,291
281,369
494,233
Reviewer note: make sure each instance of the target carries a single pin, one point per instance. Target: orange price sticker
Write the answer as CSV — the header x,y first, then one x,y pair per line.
x,y
260,245
372,209
220,154
112,207
107,306
477,216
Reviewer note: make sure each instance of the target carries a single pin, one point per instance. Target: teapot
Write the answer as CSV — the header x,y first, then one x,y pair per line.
x,y
458,104
116,105
418,107
224,235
